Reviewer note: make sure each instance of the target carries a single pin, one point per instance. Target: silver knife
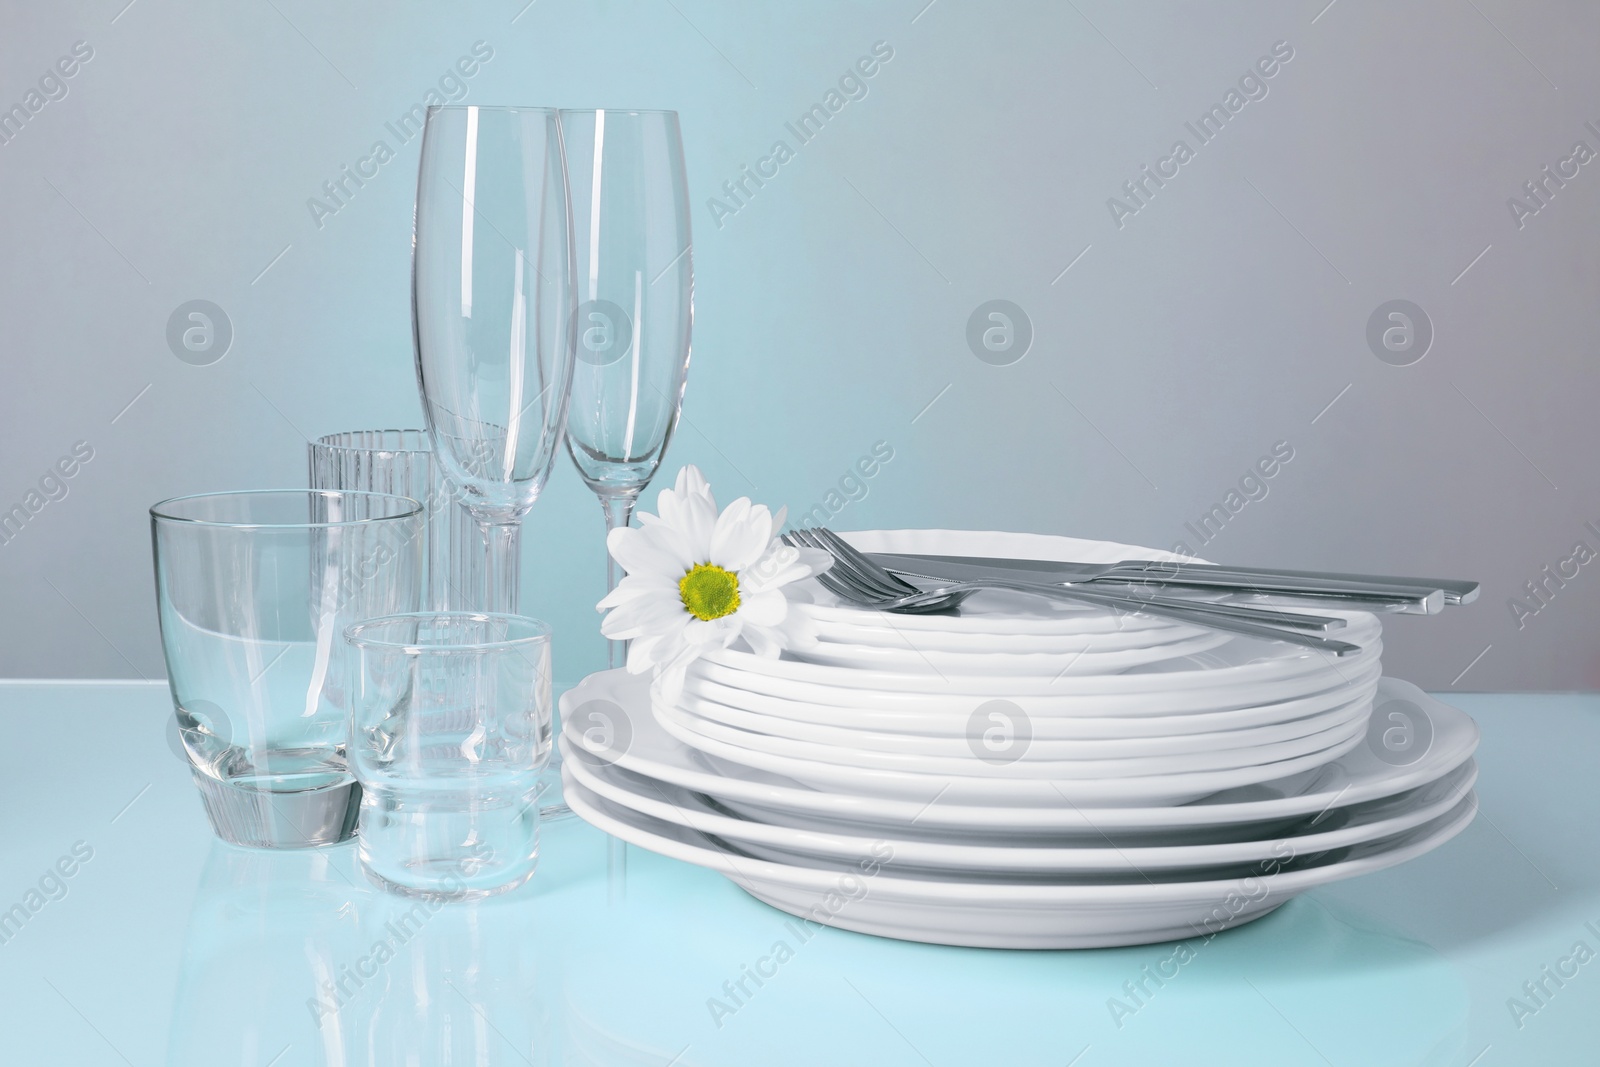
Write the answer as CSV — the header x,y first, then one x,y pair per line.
x,y
1413,596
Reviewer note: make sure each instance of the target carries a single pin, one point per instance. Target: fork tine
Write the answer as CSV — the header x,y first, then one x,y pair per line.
x,y
805,539
802,538
846,570
891,585
839,583
845,592
840,547
838,580
846,580
868,570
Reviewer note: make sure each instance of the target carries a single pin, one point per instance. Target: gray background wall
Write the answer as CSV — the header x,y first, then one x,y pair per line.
x,y
1228,313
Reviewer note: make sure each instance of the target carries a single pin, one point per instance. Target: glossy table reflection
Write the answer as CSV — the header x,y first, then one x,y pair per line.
x,y
140,940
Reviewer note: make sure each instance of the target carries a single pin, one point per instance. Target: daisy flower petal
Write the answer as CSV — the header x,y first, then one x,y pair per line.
x,y
742,535
698,579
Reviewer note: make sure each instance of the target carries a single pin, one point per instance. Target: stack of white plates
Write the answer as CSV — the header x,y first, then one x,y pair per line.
x,y
1026,773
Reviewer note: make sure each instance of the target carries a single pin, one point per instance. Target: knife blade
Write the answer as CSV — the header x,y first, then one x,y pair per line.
x,y
1315,588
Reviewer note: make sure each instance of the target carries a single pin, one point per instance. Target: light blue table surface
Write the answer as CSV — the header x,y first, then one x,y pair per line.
x,y
163,946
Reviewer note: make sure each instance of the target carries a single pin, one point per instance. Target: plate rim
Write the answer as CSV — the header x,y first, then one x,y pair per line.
x,y
1164,857
618,683
966,893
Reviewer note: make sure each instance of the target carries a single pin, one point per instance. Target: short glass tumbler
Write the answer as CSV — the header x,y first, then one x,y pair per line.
x,y
254,591
451,726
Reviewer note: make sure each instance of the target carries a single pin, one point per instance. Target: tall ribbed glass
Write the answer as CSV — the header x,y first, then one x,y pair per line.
x,y
401,463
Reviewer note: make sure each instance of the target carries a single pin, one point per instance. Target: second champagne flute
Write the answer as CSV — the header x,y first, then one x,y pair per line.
x,y
635,283
635,292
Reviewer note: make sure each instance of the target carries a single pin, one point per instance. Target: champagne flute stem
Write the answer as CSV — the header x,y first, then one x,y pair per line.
x,y
502,564
619,513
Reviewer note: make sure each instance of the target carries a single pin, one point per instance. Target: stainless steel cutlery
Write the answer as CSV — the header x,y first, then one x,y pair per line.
x,y
858,579
1167,589
1414,596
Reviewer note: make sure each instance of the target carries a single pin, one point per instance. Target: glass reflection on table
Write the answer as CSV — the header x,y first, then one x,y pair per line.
x,y
295,958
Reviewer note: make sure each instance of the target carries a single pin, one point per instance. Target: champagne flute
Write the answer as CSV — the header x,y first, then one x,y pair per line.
x,y
492,311
635,292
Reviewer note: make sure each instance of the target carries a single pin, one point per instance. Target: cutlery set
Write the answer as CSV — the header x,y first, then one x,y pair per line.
x,y
1164,589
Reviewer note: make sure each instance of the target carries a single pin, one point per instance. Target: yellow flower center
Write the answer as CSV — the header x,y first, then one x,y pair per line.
x,y
709,592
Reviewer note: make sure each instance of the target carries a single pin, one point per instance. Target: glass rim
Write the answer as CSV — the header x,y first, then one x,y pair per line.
x,y
343,441
158,513
508,108
619,111
355,633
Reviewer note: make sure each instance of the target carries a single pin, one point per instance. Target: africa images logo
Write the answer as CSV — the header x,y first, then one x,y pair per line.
x,y
1252,85
452,87
53,85
852,85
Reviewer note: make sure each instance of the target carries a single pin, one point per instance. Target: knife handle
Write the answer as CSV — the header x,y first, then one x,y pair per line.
x,y
1428,596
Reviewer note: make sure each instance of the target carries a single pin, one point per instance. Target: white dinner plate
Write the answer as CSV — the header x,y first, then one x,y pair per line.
x,y
956,737
943,664
1340,827
938,717
609,714
1011,758
982,616
1154,697
1158,788
1235,661
885,631
873,895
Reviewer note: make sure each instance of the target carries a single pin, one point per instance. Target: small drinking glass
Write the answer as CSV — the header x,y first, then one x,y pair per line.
x,y
401,463
450,728
254,591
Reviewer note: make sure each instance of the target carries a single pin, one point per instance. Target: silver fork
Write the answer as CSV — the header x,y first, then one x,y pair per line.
x,y
859,580
893,583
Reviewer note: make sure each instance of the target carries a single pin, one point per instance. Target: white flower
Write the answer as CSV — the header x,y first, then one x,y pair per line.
x,y
698,580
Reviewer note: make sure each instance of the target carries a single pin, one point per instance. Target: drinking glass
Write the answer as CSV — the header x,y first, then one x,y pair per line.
x,y
400,462
451,726
635,283
493,315
635,287
254,591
